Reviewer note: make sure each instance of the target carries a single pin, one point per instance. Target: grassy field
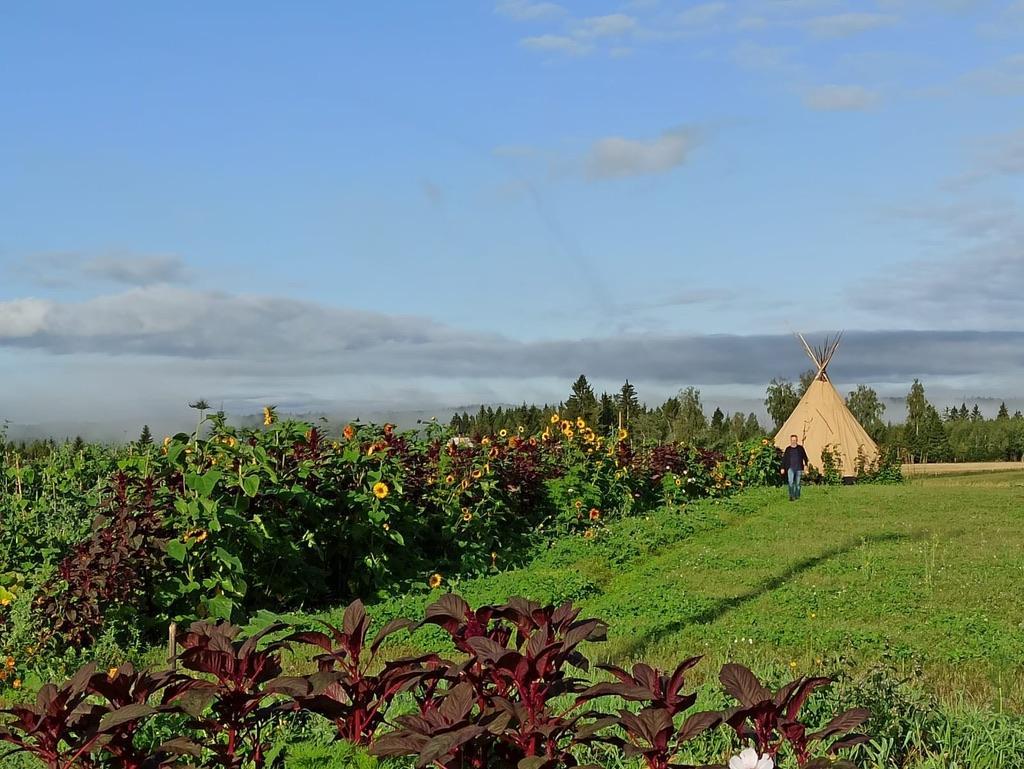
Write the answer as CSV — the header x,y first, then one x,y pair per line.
x,y
925,576
910,595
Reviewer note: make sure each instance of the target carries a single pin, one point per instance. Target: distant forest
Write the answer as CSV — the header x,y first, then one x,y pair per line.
x,y
955,435
960,434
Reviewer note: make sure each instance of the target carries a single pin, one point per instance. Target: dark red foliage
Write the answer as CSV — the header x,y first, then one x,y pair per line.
x,y
343,689
98,713
499,710
654,733
771,718
666,458
112,568
246,679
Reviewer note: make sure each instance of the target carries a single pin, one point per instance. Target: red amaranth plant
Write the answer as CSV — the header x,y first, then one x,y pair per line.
x,y
656,732
245,677
771,719
97,713
112,568
343,689
521,653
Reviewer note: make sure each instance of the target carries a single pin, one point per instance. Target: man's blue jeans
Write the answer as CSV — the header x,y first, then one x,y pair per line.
x,y
794,482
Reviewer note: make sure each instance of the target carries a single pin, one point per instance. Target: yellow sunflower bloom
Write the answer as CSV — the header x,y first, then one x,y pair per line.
x,y
380,490
555,419
435,581
476,473
623,433
503,433
269,416
581,422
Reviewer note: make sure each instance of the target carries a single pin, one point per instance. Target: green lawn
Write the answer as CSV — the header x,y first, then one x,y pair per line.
x,y
925,575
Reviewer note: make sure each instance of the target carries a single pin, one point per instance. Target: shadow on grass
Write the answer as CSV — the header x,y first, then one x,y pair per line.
x,y
722,607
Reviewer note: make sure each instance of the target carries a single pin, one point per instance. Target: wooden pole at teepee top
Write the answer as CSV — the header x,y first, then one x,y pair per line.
x,y
810,354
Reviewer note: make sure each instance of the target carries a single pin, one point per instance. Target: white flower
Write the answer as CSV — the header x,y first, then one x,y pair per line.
x,y
748,759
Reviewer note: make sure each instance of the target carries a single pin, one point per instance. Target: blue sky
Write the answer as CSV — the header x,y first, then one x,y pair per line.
x,y
443,203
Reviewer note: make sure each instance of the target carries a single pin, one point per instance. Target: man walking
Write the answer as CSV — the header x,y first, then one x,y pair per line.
x,y
794,462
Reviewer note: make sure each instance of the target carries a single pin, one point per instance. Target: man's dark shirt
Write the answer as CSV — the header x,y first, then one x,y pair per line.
x,y
794,457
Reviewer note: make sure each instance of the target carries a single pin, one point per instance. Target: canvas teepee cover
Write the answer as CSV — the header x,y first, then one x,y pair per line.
x,y
822,419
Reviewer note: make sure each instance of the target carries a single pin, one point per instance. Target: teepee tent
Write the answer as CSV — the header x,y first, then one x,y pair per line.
x,y
821,419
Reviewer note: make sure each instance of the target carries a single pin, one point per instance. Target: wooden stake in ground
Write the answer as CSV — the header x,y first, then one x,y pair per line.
x,y
172,645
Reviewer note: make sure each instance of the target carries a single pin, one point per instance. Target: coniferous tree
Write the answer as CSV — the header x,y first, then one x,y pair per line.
x,y
628,404
145,437
1004,413
582,402
717,421
606,418
976,414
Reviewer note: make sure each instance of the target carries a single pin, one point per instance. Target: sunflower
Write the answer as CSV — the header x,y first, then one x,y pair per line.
x,y
435,581
623,433
449,479
581,422
513,442
569,433
485,440
493,452
578,504
595,514
17,683
9,662
380,490
269,416
467,516
588,534
764,441
503,433
679,482
546,435
349,432
555,419
565,425
476,473
533,441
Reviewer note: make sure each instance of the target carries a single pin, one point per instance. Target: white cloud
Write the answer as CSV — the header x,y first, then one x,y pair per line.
x,y
840,98
615,156
846,24
61,270
524,10
556,44
611,25
267,343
